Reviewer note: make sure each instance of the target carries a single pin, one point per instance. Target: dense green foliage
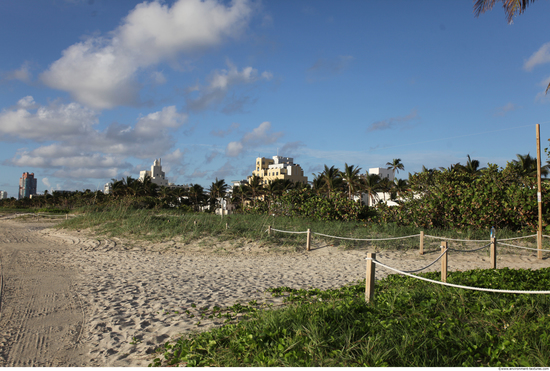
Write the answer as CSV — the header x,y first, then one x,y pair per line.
x,y
455,199
411,323
308,203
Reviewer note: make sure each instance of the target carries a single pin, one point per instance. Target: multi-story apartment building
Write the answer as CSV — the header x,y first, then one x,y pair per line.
x,y
382,172
3,195
278,168
27,185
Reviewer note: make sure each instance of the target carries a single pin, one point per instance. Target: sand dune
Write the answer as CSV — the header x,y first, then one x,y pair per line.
x,y
121,297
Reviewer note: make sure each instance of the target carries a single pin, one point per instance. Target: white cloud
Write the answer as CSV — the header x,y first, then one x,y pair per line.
x,y
41,123
234,149
46,183
541,56
79,146
220,82
101,71
257,137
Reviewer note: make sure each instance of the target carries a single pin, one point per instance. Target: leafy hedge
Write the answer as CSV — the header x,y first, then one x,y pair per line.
x,y
458,200
306,203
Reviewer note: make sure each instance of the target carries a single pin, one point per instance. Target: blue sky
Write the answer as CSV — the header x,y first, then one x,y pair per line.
x,y
92,90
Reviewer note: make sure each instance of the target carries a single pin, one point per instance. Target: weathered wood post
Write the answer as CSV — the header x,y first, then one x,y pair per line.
x,y
369,283
308,243
421,243
493,256
444,262
269,230
226,225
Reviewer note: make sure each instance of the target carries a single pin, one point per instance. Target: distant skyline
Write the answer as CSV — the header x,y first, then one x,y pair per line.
x,y
93,89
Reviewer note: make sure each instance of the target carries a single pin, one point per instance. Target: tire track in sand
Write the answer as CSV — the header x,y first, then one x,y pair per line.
x,y
41,317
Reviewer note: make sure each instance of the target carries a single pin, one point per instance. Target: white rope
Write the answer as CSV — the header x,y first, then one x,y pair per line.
x,y
367,239
521,247
460,286
517,238
452,239
278,230
479,248
429,265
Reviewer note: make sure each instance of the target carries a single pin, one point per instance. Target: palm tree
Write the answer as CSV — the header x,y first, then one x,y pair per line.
x,y
395,165
472,167
511,7
331,179
371,185
217,190
256,188
317,183
242,192
196,193
526,166
351,176
400,186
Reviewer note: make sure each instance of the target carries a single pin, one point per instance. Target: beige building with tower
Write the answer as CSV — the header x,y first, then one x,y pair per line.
x,y
278,168
156,174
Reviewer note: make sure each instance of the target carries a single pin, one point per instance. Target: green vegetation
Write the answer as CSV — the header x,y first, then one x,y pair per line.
x,y
411,323
151,225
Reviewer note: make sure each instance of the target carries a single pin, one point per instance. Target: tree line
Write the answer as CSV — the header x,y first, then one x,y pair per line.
x,y
437,197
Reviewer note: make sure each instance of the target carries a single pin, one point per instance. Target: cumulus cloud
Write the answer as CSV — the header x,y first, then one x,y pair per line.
x,y
101,71
43,123
394,122
261,135
78,145
541,56
220,82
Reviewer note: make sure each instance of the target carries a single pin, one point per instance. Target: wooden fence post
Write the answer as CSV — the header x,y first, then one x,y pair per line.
x,y
308,243
493,256
369,283
226,226
421,243
444,262
269,230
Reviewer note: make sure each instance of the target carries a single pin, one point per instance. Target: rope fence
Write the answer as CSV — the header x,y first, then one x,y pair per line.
x,y
372,262
421,244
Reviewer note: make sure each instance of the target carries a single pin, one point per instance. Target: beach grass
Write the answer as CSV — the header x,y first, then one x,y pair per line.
x,y
163,225
410,323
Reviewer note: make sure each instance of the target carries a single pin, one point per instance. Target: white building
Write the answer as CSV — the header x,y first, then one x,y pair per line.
x,y
107,188
3,195
156,174
382,172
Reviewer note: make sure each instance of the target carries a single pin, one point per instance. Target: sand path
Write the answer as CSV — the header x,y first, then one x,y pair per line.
x,y
70,299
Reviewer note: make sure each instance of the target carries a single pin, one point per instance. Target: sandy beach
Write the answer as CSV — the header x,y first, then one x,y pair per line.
x,y
70,298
